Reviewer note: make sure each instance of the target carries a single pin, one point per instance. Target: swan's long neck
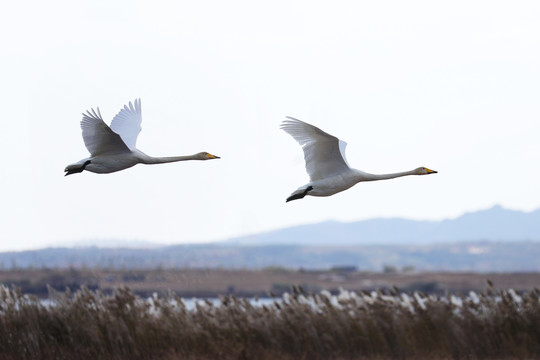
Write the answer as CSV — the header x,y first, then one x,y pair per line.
x,y
363,176
146,159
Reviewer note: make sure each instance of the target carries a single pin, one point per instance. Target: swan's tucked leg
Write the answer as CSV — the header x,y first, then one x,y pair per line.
x,y
76,168
299,194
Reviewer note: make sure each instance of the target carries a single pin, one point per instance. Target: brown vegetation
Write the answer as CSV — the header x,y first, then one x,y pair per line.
x,y
378,325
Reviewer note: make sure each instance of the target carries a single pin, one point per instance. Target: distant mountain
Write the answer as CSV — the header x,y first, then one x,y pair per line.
x,y
496,224
480,256
496,239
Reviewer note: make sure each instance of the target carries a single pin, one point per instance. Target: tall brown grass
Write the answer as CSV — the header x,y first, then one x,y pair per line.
x,y
378,325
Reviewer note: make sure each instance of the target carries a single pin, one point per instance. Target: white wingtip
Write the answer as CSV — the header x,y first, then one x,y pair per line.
x,y
92,113
290,118
289,121
136,105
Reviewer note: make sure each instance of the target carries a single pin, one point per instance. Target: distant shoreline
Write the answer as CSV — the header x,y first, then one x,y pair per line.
x,y
211,283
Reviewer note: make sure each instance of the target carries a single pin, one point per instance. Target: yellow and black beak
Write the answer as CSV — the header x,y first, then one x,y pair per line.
x,y
429,171
210,156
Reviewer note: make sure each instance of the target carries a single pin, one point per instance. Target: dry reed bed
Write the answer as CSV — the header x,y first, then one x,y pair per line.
x,y
378,325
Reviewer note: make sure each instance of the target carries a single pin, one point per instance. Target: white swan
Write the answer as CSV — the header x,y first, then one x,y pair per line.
x,y
113,148
326,164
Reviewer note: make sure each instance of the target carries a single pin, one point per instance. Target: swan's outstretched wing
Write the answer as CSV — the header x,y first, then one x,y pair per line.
x,y
98,137
127,123
324,154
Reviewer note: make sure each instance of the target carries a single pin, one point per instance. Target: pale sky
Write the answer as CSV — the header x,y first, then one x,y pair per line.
x,y
454,86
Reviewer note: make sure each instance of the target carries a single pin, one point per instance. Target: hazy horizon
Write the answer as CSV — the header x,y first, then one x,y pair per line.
x,y
142,243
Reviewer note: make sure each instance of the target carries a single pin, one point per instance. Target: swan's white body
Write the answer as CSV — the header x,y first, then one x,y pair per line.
x,y
326,163
113,148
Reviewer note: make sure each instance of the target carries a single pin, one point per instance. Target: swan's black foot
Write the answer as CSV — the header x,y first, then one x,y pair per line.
x,y
299,195
75,170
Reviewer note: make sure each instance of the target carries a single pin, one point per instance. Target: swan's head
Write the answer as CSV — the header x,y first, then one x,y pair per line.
x,y
424,171
206,156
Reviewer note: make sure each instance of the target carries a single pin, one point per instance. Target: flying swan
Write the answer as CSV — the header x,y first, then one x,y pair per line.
x,y
113,148
326,164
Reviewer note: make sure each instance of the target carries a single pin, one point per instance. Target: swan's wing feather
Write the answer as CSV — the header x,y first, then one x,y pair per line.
x,y
127,123
322,152
98,137
342,147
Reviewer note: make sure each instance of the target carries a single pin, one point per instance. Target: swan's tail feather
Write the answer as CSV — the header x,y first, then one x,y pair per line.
x,y
76,168
299,194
